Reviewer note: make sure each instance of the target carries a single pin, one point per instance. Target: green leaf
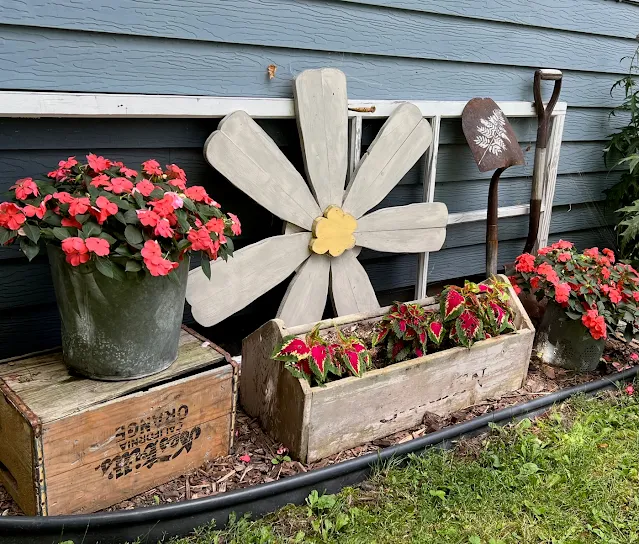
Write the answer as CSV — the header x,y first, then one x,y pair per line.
x,y
62,233
29,248
183,244
104,266
120,217
133,266
230,247
182,220
52,219
139,199
123,250
82,218
5,235
123,204
189,204
32,232
91,229
157,194
108,238
133,235
206,266
131,217
572,315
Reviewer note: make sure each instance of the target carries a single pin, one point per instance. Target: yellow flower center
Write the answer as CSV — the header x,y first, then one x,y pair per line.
x,y
333,233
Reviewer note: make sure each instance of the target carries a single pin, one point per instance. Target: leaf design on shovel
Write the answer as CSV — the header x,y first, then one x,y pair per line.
x,y
492,133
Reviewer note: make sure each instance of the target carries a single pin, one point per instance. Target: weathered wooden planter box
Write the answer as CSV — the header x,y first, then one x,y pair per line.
x,y
314,422
74,445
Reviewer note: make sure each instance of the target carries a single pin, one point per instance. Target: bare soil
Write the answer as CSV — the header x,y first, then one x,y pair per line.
x,y
231,472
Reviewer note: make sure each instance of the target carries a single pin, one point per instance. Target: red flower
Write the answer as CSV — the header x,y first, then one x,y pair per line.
x,y
63,197
126,171
545,269
176,176
525,263
635,295
634,356
513,281
197,193
605,272
630,390
544,250
25,187
63,169
157,265
120,185
71,222
37,211
201,241
215,225
79,206
99,246
105,208
236,227
595,323
562,244
534,282
615,296
592,252
101,180
76,251
163,228
609,253
98,164
152,167
11,217
167,205
564,257
562,291
148,218
145,187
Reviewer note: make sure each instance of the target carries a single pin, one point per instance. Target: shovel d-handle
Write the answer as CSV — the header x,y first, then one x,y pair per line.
x,y
539,170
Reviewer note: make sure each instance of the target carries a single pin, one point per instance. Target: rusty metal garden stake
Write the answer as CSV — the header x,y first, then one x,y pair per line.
x,y
539,171
494,146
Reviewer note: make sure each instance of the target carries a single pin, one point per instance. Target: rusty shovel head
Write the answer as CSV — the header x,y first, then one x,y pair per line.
x,y
491,138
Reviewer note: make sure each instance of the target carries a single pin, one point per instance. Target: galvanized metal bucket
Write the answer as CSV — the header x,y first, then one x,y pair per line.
x,y
117,330
565,342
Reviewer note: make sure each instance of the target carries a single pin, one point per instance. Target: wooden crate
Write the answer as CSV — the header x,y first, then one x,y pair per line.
x,y
314,422
72,445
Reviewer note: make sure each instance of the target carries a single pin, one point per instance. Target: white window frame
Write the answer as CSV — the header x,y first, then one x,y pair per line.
x,y
64,104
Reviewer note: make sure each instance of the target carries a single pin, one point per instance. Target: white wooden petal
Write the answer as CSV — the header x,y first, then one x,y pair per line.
x,y
402,140
241,151
351,289
305,298
251,272
415,228
322,118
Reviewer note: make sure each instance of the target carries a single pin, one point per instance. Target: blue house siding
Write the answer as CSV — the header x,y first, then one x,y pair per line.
x,y
389,49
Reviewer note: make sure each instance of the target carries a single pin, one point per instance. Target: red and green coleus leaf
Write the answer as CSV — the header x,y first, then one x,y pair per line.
x,y
353,362
319,360
452,304
291,349
436,332
300,369
380,333
468,327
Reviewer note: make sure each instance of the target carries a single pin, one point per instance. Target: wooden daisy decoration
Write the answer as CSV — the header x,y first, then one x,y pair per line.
x,y
327,223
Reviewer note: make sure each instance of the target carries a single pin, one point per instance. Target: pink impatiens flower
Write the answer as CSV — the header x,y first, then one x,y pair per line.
x,y
99,246
163,228
236,227
152,167
105,208
120,185
25,187
11,217
76,251
157,265
98,164
145,187
79,206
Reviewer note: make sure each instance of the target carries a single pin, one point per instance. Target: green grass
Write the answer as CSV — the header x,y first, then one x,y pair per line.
x,y
568,478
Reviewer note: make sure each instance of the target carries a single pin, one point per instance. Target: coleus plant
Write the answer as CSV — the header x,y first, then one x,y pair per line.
x,y
466,314
121,221
589,286
315,359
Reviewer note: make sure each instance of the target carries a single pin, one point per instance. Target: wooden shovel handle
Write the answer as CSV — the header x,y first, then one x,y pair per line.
x,y
543,114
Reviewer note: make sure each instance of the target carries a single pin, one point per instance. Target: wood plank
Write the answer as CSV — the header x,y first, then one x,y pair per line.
x,y
591,17
351,289
415,228
403,138
24,68
306,295
17,453
94,458
322,116
270,393
51,392
345,28
355,144
251,272
249,159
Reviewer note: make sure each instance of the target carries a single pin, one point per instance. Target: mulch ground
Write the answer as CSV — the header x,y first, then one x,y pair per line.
x,y
255,454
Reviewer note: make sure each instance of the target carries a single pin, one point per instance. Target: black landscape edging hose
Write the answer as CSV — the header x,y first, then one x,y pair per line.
x,y
154,523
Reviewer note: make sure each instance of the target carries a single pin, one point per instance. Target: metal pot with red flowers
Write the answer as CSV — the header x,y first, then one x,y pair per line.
x,y
119,242
589,297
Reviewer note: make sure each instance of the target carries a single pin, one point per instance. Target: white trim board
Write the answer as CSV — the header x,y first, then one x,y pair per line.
x,y
100,105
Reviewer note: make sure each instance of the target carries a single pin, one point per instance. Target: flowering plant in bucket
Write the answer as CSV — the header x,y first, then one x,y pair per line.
x,y
121,221
589,286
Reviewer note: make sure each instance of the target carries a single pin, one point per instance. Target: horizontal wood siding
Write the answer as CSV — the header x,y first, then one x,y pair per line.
x,y
436,50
